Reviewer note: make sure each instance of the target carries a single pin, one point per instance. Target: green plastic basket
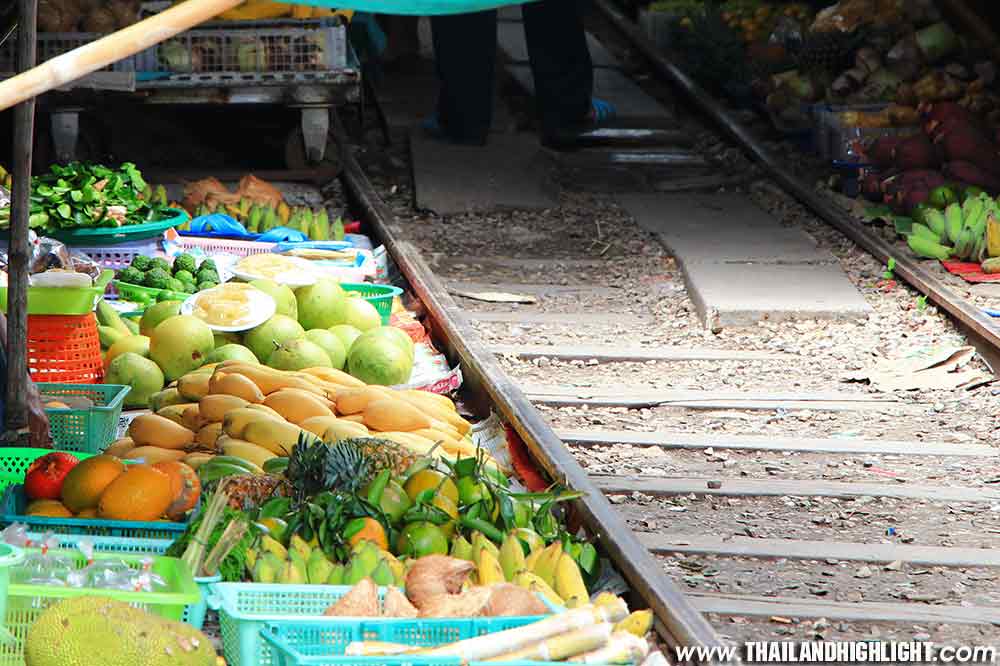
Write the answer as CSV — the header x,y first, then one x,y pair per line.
x,y
145,296
62,300
14,502
26,602
111,235
379,295
194,614
322,643
88,430
15,461
247,608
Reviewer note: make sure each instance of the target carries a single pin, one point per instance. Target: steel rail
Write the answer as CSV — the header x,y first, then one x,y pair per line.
x,y
681,623
976,324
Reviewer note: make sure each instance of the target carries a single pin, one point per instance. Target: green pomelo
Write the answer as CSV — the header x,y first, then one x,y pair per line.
x,y
397,336
137,344
379,361
231,352
142,374
298,355
284,298
346,333
361,314
180,344
277,330
331,344
222,339
156,314
321,305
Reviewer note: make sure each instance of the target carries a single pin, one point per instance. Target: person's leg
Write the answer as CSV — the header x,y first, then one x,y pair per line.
x,y
404,42
465,48
560,62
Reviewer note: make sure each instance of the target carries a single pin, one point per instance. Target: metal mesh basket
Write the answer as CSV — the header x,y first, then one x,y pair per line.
x,y
258,47
51,44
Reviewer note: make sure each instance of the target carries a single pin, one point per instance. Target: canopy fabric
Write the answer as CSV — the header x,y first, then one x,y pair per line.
x,y
413,7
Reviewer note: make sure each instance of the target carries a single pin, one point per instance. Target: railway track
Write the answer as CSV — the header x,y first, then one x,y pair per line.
x,y
743,489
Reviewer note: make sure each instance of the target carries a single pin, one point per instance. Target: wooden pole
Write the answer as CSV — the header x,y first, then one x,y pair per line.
x,y
20,208
98,54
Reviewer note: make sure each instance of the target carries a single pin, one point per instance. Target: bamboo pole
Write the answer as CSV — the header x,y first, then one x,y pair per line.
x,y
98,54
16,414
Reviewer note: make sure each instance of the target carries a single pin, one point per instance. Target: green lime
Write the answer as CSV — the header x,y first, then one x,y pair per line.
x,y
422,538
470,491
430,479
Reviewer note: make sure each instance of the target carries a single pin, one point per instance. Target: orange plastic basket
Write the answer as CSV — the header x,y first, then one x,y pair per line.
x,y
64,349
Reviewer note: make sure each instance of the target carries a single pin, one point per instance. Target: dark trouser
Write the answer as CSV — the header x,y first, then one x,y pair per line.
x,y
465,52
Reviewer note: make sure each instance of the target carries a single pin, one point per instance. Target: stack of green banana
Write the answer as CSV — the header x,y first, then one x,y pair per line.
x,y
156,195
259,219
301,563
960,231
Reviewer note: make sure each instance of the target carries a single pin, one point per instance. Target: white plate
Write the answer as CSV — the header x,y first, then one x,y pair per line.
x,y
262,306
304,275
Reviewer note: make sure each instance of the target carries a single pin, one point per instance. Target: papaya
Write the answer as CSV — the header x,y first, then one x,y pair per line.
x,y
142,493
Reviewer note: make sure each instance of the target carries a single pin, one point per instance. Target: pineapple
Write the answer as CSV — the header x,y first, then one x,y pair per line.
x,y
346,465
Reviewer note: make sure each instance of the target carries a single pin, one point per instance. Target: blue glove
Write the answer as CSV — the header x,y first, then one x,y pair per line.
x,y
221,224
282,235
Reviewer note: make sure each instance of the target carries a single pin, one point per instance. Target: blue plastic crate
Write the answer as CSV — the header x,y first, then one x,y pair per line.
x,y
14,502
247,608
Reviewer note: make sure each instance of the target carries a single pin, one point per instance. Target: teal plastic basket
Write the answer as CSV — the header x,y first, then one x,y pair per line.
x,y
323,643
379,295
247,608
14,503
15,461
26,602
88,430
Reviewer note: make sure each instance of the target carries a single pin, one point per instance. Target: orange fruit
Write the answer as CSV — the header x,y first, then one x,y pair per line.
x,y
442,502
420,539
142,493
430,479
368,529
83,486
87,513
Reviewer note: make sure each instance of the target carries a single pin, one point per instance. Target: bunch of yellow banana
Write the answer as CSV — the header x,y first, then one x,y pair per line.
x,y
546,570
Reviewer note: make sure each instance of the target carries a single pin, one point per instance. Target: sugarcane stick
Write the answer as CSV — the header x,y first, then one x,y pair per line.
x,y
561,646
100,53
622,648
491,645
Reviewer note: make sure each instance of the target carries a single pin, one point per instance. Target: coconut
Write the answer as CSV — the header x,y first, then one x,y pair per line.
x,y
434,575
397,605
360,601
470,603
509,600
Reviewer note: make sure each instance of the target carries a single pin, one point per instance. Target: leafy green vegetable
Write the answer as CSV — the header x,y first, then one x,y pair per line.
x,y
79,195
233,567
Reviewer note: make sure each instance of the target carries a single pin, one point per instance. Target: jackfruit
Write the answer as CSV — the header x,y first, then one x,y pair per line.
x,y
76,630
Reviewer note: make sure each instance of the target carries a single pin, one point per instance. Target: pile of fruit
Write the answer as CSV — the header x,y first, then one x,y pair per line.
x,y
954,148
318,328
261,218
58,485
185,276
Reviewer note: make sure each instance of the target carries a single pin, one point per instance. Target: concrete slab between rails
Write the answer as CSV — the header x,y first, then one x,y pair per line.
x,y
741,266
632,104
511,40
508,174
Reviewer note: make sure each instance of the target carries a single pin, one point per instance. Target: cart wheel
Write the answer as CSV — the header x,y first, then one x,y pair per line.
x,y
295,153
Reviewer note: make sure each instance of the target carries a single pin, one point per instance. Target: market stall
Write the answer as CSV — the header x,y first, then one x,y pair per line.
x,y
894,103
